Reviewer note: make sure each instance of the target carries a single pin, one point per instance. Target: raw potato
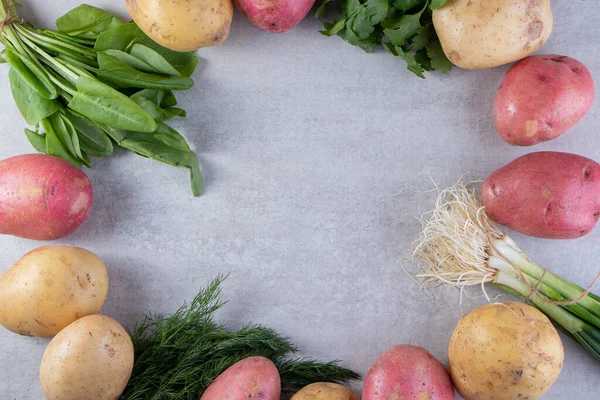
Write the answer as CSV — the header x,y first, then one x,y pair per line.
x,y
477,34
250,378
183,25
504,351
541,97
409,373
275,16
91,359
49,288
42,197
325,391
545,194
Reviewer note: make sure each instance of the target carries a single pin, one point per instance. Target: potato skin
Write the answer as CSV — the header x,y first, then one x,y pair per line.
x,y
541,97
504,351
49,288
275,16
183,25
250,378
477,34
91,359
325,391
409,373
42,197
549,195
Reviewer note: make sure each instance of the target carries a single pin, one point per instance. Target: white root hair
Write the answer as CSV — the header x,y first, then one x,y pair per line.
x,y
455,241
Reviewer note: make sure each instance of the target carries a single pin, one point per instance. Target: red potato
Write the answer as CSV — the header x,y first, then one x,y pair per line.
x,y
545,194
409,373
275,16
42,197
251,378
541,97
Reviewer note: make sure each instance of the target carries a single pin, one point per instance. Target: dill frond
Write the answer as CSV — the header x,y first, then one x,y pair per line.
x,y
178,356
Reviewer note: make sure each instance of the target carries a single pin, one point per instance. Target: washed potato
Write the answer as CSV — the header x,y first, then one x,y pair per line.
x,y
325,391
42,197
49,288
477,34
504,351
91,359
183,25
275,16
409,373
250,378
541,97
545,194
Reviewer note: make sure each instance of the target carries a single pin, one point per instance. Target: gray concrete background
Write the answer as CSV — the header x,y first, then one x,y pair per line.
x,y
316,158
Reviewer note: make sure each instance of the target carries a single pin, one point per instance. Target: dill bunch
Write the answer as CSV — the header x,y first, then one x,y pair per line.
x,y
178,356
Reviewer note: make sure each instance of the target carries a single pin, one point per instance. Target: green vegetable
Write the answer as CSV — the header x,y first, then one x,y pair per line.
x,y
178,356
95,82
402,27
460,246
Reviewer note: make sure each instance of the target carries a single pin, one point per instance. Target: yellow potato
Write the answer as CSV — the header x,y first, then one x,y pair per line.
x,y
183,25
504,351
477,34
49,288
91,359
324,391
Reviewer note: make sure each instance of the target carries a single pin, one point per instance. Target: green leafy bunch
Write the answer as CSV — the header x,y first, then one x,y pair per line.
x,y
178,356
402,27
96,81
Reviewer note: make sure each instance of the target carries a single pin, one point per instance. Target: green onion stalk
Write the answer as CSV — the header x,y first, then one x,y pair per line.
x,y
459,246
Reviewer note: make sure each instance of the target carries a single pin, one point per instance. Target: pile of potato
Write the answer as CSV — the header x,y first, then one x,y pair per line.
x,y
59,291
187,25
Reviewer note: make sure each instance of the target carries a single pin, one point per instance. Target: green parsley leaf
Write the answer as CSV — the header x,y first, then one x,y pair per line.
x,y
439,61
403,29
334,29
406,5
425,35
435,4
411,62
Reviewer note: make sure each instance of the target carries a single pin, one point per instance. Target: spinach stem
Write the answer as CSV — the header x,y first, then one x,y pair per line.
x,y
51,62
43,39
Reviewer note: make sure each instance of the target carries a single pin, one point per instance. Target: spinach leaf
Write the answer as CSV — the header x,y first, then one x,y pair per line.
x,y
121,75
54,147
118,38
86,18
170,137
63,134
162,98
130,60
30,103
92,138
185,63
35,76
148,146
156,112
104,105
38,141
152,57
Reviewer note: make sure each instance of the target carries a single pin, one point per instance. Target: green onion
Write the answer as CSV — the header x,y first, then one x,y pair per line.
x,y
459,246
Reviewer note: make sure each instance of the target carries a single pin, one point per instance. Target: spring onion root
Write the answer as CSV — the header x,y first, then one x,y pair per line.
x,y
459,246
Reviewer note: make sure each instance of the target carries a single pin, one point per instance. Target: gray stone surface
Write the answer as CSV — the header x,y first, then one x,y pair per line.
x,y
316,157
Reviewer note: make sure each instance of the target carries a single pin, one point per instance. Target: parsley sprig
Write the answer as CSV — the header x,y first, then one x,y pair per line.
x,y
402,27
